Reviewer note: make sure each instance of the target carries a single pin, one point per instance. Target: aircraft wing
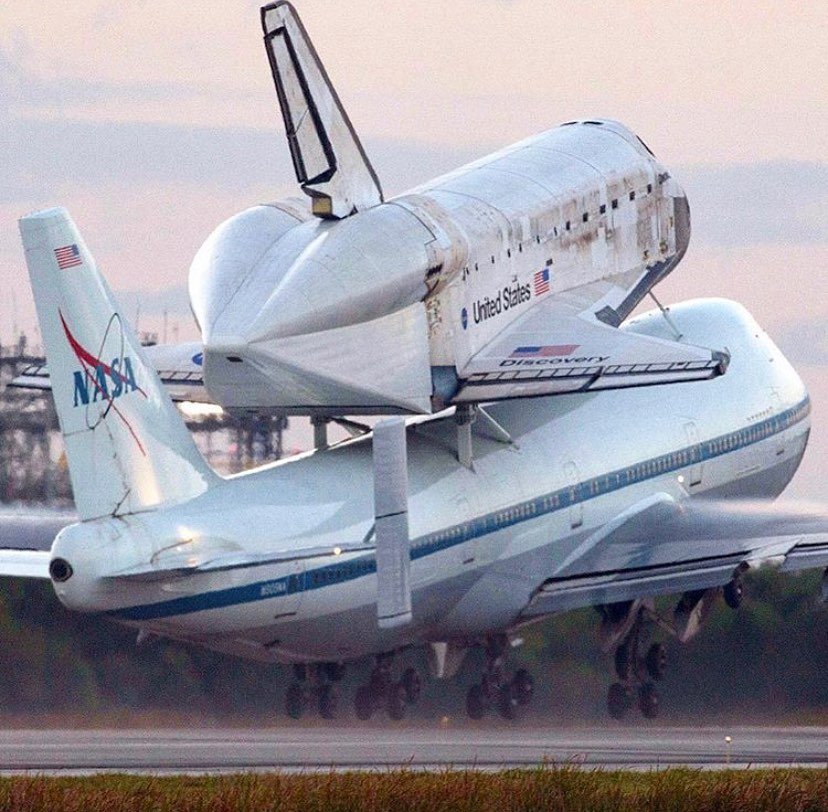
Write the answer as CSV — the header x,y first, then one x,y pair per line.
x,y
559,347
179,366
661,547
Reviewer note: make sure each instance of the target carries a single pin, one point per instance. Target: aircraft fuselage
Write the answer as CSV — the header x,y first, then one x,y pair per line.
x,y
483,540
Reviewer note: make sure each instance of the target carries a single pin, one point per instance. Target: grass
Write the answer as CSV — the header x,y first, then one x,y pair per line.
x,y
546,788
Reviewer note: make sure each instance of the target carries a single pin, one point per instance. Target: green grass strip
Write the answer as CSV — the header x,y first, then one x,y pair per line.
x,y
547,788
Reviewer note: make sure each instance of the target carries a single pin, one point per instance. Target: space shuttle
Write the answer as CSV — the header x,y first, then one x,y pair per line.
x,y
509,277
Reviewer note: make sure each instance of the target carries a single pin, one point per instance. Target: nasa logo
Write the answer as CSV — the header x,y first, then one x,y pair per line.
x,y
198,359
464,317
96,380
107,382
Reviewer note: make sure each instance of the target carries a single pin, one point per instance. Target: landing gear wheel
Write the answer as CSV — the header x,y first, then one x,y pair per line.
x,y
507,701
395,701
412,685
734,592
656,661
619,700
623,660
364,703
523,686
648,700
476,702
328,701
295,701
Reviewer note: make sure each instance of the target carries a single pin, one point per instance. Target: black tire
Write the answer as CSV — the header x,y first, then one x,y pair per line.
x,y
328,701
395,701
476,702
507,702
523,685
734,593
364,703
295,701
412,685
656,661
623,660
618,700
649,701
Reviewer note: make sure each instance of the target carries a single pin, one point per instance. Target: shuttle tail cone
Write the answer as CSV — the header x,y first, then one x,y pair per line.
x,y
127,447
391,512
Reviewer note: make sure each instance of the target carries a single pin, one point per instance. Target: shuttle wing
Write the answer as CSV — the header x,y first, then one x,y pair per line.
x,y
558,348
662,547
331,165
179,367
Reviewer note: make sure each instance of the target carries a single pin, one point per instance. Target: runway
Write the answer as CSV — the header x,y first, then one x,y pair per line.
x,y
294,748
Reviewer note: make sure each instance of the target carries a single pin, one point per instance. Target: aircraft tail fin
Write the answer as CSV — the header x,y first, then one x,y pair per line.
x,y
127,447
331,165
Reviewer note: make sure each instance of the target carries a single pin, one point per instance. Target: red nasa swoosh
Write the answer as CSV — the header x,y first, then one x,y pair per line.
x,y
86,360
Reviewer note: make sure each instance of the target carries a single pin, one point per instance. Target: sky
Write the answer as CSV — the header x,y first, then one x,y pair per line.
x,y
152,121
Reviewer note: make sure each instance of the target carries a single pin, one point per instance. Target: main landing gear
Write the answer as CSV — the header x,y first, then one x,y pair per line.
x,y
627,626
383,692
314,684
637,670
496,689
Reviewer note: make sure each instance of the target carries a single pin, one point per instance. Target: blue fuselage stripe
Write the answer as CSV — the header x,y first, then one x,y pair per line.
x,y
330,574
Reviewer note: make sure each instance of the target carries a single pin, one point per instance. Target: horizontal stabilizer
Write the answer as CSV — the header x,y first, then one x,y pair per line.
x,y
179,368
554,349
24,563
331,165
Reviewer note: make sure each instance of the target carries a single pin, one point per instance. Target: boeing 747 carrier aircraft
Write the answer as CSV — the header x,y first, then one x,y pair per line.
x,y
544,451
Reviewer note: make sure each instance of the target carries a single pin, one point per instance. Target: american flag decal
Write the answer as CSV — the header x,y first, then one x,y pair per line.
x,y
68,256
541,282
544,352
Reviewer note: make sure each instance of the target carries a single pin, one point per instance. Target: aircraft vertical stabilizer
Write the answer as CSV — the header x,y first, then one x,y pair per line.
x,y
127,447
331,165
